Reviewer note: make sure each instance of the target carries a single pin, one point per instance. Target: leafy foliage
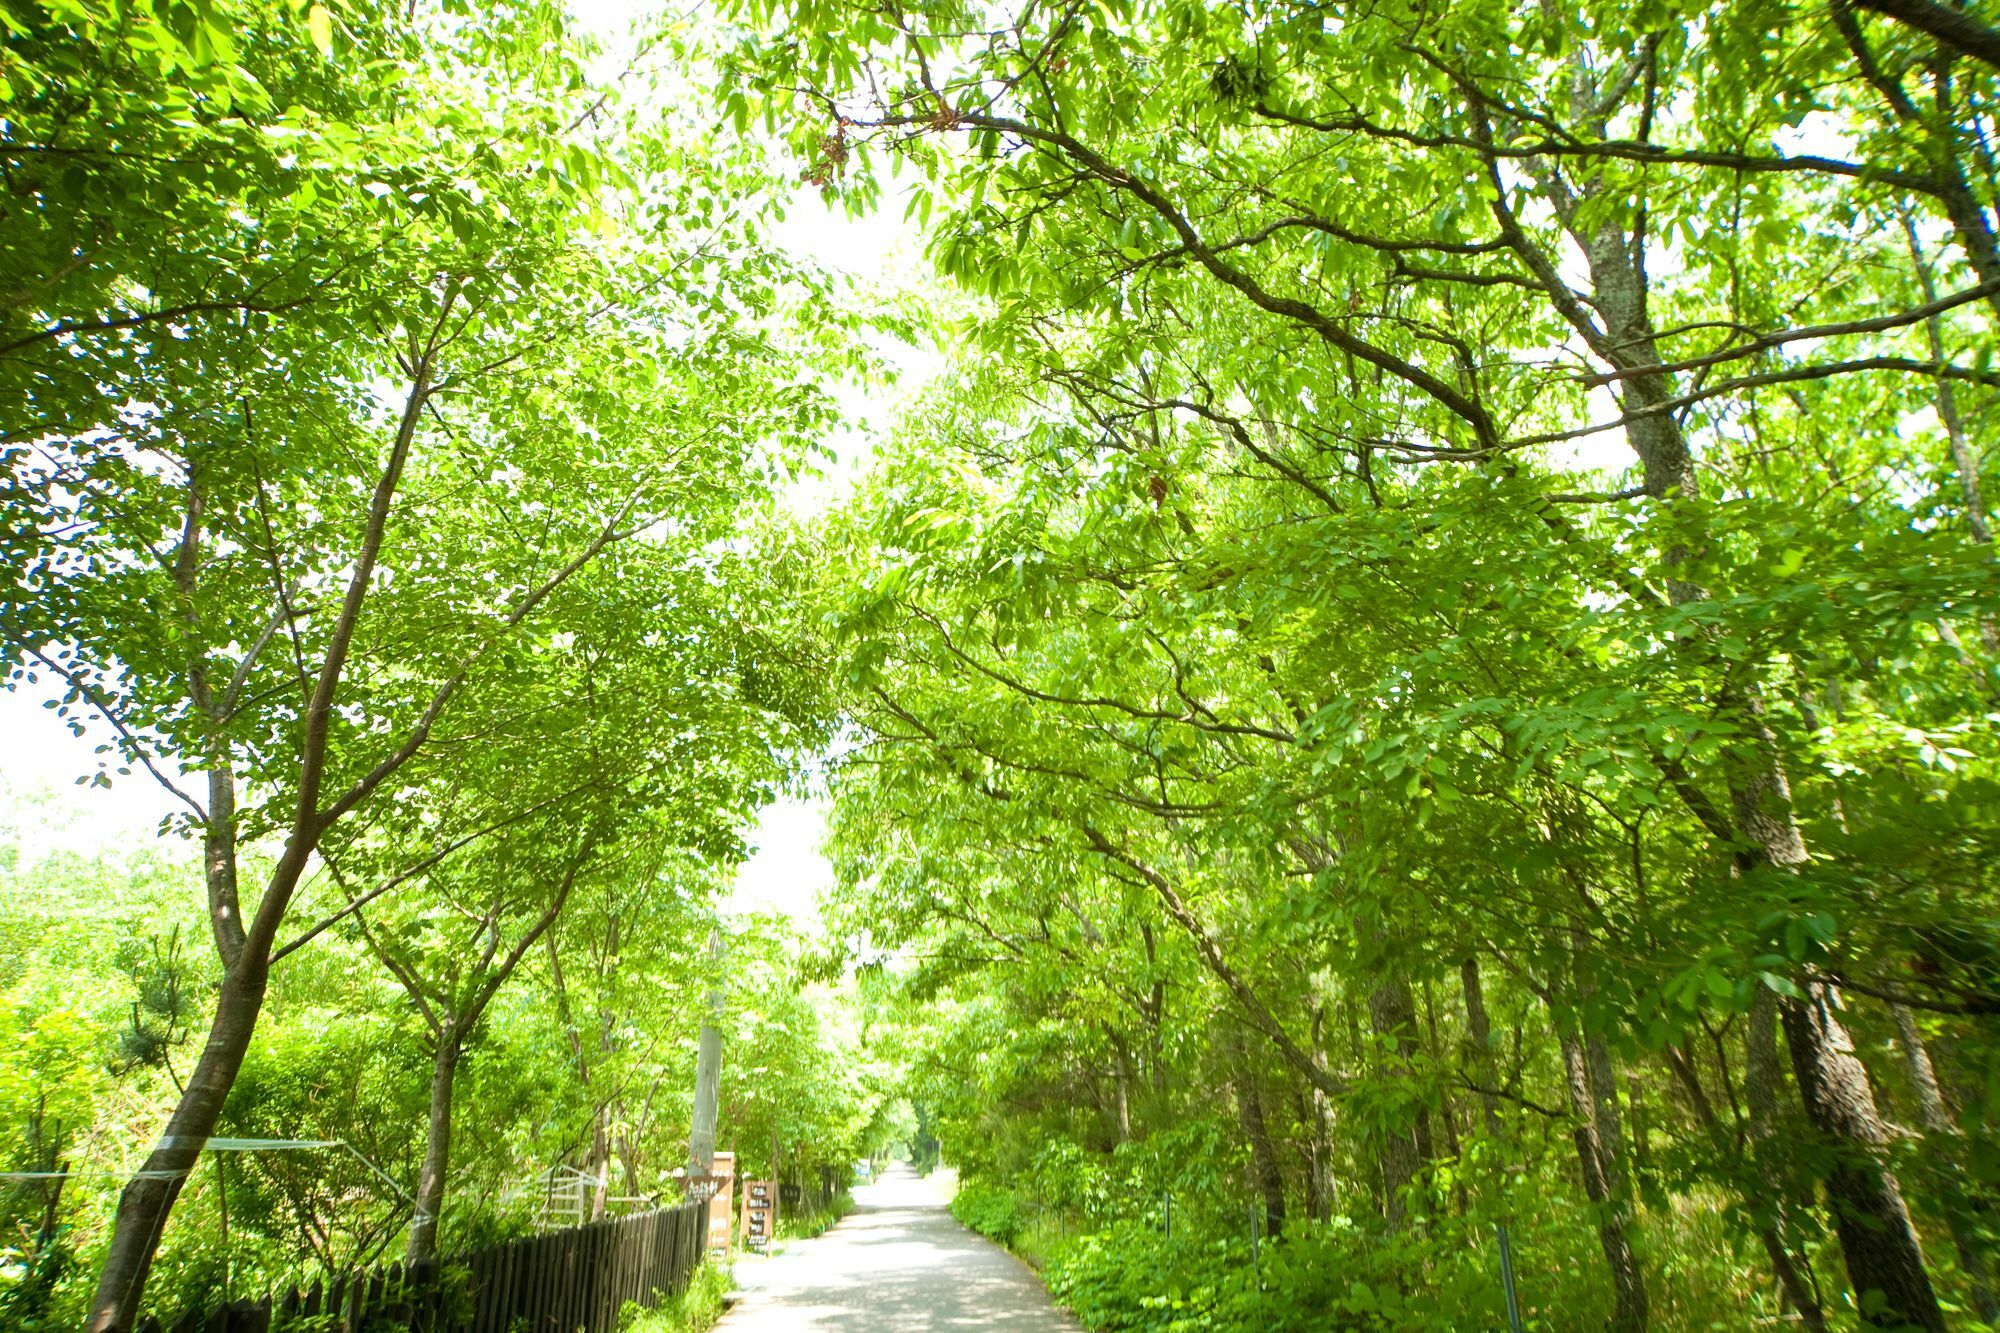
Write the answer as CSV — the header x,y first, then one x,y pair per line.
x,y
1446,532
1421,678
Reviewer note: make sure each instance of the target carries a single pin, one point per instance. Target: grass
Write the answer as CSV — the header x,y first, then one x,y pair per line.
x,y
794,1227
695,1310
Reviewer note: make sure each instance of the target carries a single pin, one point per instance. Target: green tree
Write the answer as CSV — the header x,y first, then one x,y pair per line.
x,y
277,544
1251,552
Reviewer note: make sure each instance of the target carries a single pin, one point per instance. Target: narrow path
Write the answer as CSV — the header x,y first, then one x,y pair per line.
x,y
899,1263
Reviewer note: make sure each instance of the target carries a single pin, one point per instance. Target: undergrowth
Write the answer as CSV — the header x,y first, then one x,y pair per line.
x,y
695,1310
791,1226
1123,1275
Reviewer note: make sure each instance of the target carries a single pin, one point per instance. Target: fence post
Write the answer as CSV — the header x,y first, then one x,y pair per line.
x,y
566,1320
651,1259
506,1305
583,1297
621,1259
478,1265
643,1234
549,1280
670,1260
586,1279
1507,1274
630,1250
670,1276
534,1257
486,1309
534,1282
419,1296
655,1248
604,1276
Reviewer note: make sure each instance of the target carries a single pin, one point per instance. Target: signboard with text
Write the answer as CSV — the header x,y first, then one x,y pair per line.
x,y
719,1188
760,1214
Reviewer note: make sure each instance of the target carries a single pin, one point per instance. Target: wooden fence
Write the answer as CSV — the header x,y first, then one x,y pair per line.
x,y
571,1281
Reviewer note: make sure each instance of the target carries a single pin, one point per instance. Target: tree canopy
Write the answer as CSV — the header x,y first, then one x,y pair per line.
x,y
1418,685
1442,501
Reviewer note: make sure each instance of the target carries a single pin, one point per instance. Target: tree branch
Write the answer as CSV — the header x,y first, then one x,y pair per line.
x,y
1954,27
1210,952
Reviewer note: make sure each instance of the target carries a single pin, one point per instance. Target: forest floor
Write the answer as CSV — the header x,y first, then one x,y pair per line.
x,y
899,1263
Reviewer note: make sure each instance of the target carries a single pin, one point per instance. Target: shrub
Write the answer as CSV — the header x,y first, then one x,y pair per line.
x,y
990,1210
1130,1278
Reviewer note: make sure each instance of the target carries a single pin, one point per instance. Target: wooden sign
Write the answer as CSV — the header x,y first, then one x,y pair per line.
x,y
719,1188
760,1214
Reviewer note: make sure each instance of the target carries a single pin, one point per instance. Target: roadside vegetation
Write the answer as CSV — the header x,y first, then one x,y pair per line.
x,y
695,1310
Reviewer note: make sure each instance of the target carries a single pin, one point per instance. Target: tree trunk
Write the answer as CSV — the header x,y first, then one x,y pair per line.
x,y
1961,1215
1642,1126
46,1261
1446,1116
708,1071
1878,1241
225,909
628,1159
1326,1180
1122,1076
1839,1104
149,1196
1610,1124
1628,1284
1391,1015
1885,1263
422,1245
1156,1019
600,1163
1257,1133
1422,1142
1592,1088
1479,1029
1883,1248
1965,460
1321,1186
1760,1089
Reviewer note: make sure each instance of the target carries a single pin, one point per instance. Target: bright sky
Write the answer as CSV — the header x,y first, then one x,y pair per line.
x,y
40,762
